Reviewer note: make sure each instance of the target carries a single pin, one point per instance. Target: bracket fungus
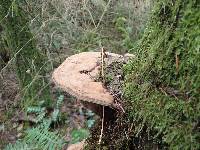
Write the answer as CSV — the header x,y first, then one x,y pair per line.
x,y
76,75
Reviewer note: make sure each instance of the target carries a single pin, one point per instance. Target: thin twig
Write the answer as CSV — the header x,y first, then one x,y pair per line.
x,y
177,63
100,137
102,62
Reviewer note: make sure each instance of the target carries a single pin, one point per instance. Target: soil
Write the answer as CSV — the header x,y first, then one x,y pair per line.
x,y
9,97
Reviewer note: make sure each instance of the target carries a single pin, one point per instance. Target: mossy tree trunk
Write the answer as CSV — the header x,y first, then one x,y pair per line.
x,y
30,63
163,82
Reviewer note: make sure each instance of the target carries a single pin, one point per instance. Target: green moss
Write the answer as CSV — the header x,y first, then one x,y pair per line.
x,y
163,82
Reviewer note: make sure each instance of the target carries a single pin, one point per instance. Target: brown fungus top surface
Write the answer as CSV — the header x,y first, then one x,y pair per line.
x,y
76,75
77,146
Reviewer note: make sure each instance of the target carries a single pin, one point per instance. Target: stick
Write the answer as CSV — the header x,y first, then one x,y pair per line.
x,y
100,137
102,62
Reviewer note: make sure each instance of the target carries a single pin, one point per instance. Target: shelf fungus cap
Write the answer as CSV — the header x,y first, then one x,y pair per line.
x,y
76,75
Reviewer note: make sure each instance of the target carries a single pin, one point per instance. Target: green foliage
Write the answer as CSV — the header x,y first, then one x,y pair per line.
x,y
44,139
121,25
30,63
90,40
41,112
56,115
35,109
90,123
79,135
38,138
20,145
163,82
90,120
59,101
69,26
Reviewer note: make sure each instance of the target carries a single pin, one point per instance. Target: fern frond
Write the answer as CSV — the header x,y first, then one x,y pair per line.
x,y
59,101
55,115
20,145
40,117
35,109
45,123
44,139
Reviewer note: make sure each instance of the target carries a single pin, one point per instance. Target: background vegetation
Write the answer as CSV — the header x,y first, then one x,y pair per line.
x,y
36,36
161,90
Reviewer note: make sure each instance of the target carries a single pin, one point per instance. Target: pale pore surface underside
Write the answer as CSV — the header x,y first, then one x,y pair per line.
x,y
76,76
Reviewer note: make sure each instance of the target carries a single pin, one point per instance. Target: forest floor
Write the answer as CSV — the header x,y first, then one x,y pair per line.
x,y
13,118
9,99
